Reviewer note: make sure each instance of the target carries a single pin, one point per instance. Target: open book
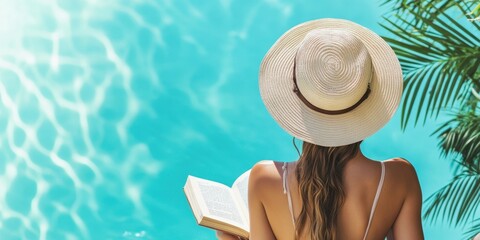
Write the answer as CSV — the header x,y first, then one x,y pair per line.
x,y
218,206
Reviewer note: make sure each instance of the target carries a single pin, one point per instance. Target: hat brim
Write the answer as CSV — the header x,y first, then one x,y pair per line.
x,y
276,89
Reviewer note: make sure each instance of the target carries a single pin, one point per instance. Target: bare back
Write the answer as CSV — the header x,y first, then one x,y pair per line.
x,y
398,207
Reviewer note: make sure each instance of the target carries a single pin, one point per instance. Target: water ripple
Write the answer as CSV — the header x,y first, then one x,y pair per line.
x,y
54,104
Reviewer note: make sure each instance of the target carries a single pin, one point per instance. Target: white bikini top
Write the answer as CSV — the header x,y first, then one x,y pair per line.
x,y
372,211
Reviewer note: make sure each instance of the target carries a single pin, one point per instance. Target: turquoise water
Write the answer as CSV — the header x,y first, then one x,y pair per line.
x,y
107,106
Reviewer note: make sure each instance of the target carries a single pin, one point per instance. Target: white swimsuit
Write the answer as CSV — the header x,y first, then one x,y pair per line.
x,y
372,211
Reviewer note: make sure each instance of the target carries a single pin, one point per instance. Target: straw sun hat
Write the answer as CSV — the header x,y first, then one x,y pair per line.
x,y
331,82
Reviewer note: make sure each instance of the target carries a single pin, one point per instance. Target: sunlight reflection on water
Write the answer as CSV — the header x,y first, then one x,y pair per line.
x,y
67,91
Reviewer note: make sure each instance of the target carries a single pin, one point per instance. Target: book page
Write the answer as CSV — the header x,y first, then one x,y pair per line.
x,y
220,203
240,187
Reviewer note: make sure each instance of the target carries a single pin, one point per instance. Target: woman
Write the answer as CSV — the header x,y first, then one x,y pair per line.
x,y
332,83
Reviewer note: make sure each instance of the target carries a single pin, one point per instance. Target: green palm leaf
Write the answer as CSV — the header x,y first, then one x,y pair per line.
x,y
422,6
461,136
439,58
476,11
457,201
474,230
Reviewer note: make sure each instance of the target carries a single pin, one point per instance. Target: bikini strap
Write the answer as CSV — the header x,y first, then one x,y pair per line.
x,y
286,190
375,201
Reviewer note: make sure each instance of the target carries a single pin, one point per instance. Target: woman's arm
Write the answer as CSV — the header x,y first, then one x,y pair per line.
x,y
408,224
258,184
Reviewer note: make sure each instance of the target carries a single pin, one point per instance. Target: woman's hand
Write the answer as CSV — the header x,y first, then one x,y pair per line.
x,y
225,236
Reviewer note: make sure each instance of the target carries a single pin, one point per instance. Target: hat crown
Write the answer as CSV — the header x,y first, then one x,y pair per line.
x,y
333,68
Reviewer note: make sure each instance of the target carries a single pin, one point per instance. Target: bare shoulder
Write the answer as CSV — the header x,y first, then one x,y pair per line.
x,y
400,164
265,175
265,171
262,166
402,168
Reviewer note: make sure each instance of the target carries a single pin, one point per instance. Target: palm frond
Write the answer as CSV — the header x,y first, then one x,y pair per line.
x,y
476,10
474,230
439,61
401,6
461,136
457,201
431,8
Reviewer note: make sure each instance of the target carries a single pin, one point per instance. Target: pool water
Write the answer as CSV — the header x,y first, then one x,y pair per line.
x,y
107,106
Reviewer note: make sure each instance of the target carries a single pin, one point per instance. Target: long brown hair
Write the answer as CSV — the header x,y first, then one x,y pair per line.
x,y
319,175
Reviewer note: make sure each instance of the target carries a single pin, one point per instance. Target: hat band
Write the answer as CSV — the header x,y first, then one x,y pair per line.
x,y
321,110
